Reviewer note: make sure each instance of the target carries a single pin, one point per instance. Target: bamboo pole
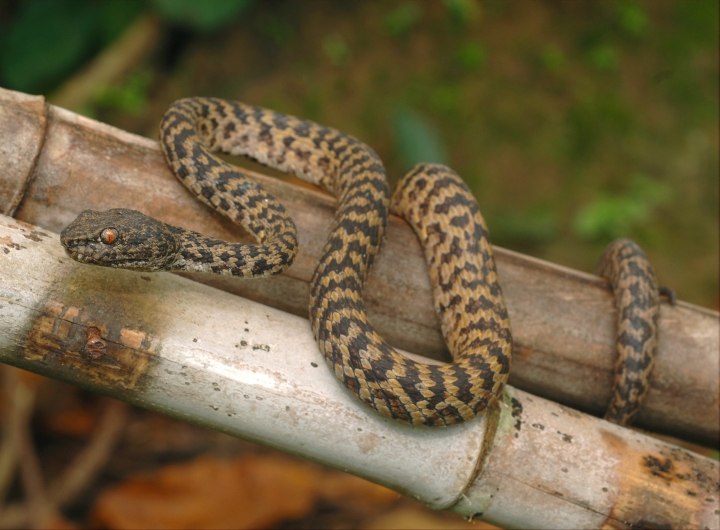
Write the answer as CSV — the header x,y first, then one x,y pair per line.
x,y
57,164
185,349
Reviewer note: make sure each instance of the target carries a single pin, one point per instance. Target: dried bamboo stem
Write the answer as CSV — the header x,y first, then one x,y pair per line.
x,y
201,355
58,163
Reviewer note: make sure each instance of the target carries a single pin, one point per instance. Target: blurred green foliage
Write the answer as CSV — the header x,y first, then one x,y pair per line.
x,y
401,20
632,18
472,55
336,49
416,139
446,98
552,58
594,119
279,30
204,16
603,58
524,230
573,125
699,20
46,40
463,12
611,216
130,96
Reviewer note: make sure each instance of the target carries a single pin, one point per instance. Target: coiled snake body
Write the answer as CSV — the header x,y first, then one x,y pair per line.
x,y
637,300
432,198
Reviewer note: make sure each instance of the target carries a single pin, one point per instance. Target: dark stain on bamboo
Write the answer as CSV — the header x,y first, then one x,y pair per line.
x,y
658,468
95,347
678,485
73,346
517,409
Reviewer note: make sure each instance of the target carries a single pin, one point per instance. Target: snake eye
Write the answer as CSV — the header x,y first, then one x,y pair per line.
x,y
109,236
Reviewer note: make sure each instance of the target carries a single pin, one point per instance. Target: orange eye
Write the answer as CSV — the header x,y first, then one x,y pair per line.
x,y
109,236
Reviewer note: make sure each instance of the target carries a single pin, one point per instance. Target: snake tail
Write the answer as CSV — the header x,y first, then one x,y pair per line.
x,y
637,301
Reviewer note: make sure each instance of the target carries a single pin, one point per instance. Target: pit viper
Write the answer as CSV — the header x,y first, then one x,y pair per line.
x,y
637,304
433,200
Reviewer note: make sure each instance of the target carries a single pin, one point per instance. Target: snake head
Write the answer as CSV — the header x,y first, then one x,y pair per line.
x,y
120,238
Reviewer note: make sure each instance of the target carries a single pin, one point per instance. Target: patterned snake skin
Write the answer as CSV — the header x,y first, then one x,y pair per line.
x,y
432,198
637,301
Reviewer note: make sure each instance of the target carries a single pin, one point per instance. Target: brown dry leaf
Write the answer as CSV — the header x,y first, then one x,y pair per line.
x,y
422,519
77,422
30,379
246,492
338,487
58,522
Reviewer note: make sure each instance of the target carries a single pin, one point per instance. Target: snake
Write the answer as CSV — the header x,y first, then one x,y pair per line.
x,y
432,198
637,299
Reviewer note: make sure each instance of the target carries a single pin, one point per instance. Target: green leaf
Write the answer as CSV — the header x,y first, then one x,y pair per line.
x,y
697,22
416,139
205,15
446,98
277,29
46,41
632,19
130,96
593,120
472,55
463,12
613,216
523,229
116,16
608,218
552,58
400,21
336,49
603,58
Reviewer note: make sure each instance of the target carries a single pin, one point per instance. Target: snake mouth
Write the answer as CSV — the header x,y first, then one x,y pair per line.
x,y
80,256
73,252
77,250
80,253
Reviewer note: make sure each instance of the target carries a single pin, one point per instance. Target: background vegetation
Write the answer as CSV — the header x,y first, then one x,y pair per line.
x,y
573,122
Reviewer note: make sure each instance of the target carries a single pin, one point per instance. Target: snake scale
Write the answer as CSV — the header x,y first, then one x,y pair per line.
x,y
637,300
434,201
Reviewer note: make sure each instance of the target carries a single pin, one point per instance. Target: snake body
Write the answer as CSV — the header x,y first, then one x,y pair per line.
x,y
637,301
432,198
